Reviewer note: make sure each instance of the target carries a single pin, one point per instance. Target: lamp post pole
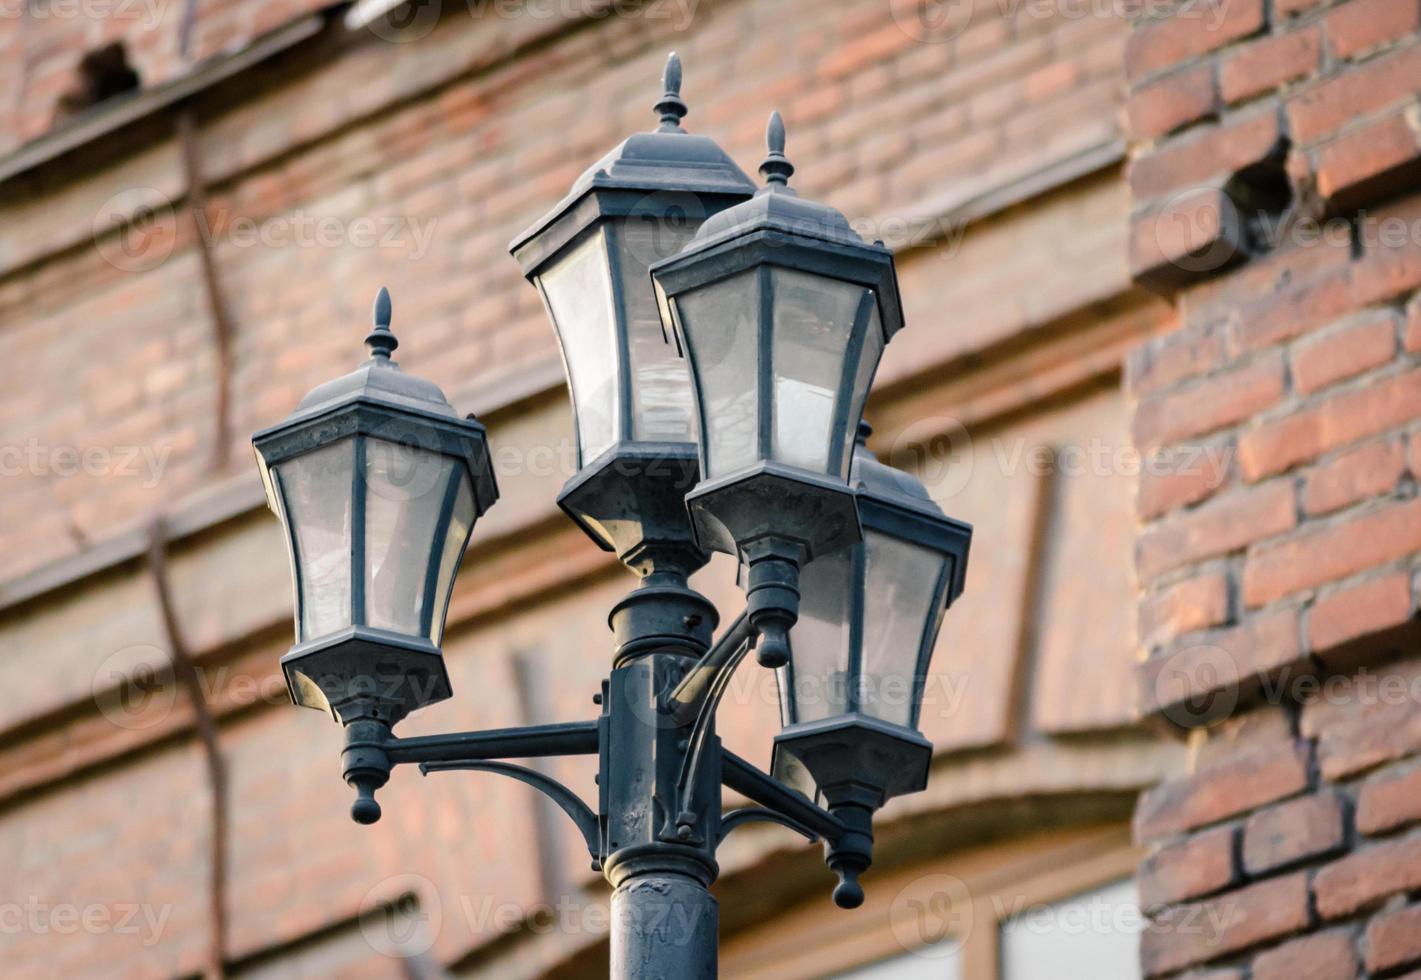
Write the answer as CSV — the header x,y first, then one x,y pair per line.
x,y
720,342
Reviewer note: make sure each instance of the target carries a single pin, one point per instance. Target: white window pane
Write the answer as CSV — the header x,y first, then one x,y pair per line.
x,y
1095,934
942,962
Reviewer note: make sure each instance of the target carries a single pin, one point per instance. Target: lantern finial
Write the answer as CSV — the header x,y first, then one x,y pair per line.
x,y
776,168
380,340
671,107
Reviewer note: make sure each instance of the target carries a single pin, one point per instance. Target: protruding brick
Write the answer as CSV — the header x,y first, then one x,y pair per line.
x,y
1249,780
1194,867
1218,527
1320,109
1193,235
1231,922
1363,24
1172,102
1365,877
1314,557
1195,29
1324,956
1371,617
1211,151
1389,800
1371,163
1394,939
1290,832
1369,470
1344,353
1269,63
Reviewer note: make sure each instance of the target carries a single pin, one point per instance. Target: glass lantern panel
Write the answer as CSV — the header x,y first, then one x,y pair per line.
x,y
456,539
579,295
863,381
407,490
813,324
660,383
721,327
819,642
902,598
316,489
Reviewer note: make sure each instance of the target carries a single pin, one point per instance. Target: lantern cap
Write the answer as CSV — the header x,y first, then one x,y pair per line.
x,y
668,160
778,207
379,379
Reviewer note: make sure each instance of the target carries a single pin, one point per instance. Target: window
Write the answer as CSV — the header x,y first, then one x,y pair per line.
x,y
1094,934
920,965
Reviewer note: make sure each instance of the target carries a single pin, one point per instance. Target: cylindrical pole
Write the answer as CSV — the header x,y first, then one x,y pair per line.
x,y
664,927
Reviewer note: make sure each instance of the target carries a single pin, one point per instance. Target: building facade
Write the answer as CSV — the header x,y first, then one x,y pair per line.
x,y
1159,352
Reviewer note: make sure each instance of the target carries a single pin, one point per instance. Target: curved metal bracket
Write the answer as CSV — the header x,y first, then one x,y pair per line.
x,y
751,814
565,798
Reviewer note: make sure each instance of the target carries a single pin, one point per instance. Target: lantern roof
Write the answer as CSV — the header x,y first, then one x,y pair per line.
x,y
667,159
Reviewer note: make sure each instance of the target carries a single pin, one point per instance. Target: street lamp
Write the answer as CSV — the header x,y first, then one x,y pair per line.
x,y
781,312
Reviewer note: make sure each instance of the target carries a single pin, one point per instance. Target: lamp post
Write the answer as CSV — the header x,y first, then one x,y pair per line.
x,y
719,344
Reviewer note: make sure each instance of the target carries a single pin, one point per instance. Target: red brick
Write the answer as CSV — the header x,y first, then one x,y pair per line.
x,y
1176,476
1386,733
1367,471
1264,775
1370,163
1191,235
1411,339
1172,103
1389,800
1315,557
1211,404
1240,734
1208,152
1345,353
1324,956
1192,868
1290,832
1187,935
1368,618
1177,356
1197,29
1394,939
1269,63
1341,419
1366,877
1288,8
1218,527
1363,24
1325,107
1193,604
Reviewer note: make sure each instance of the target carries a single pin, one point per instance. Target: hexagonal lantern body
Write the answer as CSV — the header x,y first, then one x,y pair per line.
x,y
377,483
851,694
631,393
783,312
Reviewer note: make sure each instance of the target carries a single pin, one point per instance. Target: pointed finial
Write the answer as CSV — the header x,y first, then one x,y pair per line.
x,y
380,340
671,108
776,169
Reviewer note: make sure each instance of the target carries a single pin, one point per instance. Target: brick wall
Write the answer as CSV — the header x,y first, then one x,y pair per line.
x,y
1274,169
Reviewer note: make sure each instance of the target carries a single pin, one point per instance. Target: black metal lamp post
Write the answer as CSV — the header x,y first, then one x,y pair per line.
x,y
782,313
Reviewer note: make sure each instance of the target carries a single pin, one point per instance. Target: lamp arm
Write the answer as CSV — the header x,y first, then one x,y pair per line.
x,y
751,814
684,703
565,798
530,742
769,792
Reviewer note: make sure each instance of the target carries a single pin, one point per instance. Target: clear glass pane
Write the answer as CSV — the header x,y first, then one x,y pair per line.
x,y
579,294
1096,935
660,382
814,320
721,327
461,524
901,597
406,490
942,961
819,642
863,380
317,490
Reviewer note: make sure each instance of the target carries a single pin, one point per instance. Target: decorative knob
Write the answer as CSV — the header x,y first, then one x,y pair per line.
x,y
381,340
671,107
776,168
